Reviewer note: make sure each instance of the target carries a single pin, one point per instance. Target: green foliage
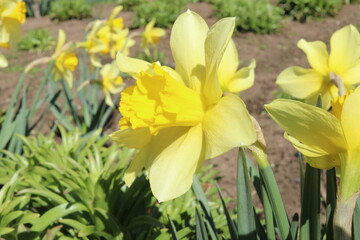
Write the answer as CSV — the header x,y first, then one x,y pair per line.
x,y
251,16
164,11
74,188
69,9
131,4
38,40
303,10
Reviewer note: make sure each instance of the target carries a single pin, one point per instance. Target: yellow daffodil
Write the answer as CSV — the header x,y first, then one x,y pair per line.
x,y
12,14
107,37
327,139
111,82
151,36
179,118
65,60
230,79
330,73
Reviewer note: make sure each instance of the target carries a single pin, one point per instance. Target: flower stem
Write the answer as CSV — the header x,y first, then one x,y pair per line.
x,y
343,217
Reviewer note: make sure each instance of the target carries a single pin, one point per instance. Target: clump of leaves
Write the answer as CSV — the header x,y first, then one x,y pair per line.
x,y
251,16
37,40
62,10
164,11
303,10
130,4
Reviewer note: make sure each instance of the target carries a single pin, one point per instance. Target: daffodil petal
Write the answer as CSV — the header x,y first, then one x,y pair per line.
x,y
316,54
215,44
350,119
345,49
136,165
172,171
3,61
227,125
351,76
323,162
187,46
132,138
173,74
243,79
12,30
304,149
300,82
228,65
132,66
61,40
310,125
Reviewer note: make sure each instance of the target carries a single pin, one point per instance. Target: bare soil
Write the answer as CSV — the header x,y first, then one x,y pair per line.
x,y
273,53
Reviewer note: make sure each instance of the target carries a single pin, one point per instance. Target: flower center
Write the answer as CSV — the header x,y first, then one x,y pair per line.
x,y
158,101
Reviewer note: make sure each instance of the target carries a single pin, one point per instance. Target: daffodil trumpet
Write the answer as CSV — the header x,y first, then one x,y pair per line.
x,y
179,118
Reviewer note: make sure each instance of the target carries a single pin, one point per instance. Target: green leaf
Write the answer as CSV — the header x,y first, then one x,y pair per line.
x,y
55,214
201,233
5,230
310,206
246,225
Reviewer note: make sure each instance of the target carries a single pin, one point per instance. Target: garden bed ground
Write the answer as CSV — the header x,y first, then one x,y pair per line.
x,y
272,52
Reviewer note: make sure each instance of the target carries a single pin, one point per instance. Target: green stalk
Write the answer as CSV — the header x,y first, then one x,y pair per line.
x,y
343,217
276,201
269,217
246,224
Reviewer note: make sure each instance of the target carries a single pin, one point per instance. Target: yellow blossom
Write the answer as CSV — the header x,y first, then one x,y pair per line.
x,y
65,60
330,73
179,118
111,82
151,36
12,14
327,139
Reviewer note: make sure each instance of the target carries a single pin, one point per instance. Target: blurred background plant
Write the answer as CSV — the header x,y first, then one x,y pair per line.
x,y
69,9
37,40
304,10
251,16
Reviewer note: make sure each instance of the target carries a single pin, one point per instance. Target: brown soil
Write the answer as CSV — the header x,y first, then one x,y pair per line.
x,y
273,53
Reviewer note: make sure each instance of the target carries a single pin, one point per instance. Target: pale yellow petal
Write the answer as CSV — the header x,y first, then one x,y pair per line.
x,y
349,173
227,125
243,79
323,162
61,40
229,64
345,49
187,46
132,66
310,125
136,165
317,55
313,151
215,44
132,138
350,119
352,75
3,61
173,74
12,30
172,171
300,82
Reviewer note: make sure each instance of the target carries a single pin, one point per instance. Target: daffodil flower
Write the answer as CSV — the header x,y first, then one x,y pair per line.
x,y
327,139
151,36
179,118
233,80
12,14
111,82
329,73
65,60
